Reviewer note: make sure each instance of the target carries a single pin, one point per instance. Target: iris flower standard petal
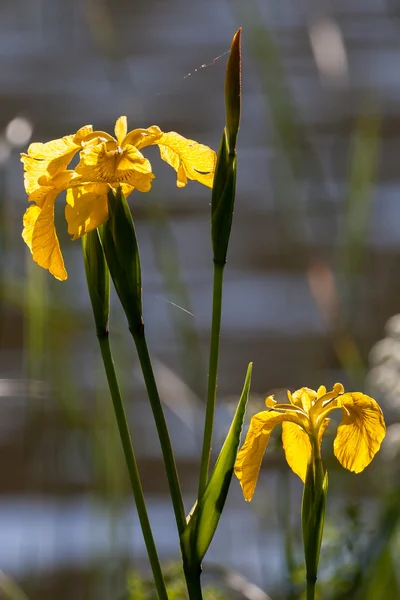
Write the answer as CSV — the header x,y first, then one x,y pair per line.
x,y
105,162
304,421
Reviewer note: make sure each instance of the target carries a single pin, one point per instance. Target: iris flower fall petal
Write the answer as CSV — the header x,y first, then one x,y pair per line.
x,y
86,209
189,159
40,235
360,432
248,462
304,421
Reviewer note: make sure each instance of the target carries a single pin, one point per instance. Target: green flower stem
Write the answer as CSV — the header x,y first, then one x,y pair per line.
x,y
212,377
132,465
162,430
193,584
311,590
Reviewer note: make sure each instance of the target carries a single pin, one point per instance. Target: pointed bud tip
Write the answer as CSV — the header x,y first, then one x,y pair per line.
x,y
233,90
237,39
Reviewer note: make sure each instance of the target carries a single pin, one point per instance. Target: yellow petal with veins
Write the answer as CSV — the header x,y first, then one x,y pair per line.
x,y
30,218
297,446
249,458
83,133
140,138
56,155
106,163
40,235
189,159
86,209
121,129
360,432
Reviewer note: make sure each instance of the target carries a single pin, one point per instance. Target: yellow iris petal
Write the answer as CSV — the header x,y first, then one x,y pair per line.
x,y
56,155
86,209
360,432
306,396
189,159
140,138
135,170
40,235
33,170
30,218
121,128
83,133
249,458
107,163
104,162
297,447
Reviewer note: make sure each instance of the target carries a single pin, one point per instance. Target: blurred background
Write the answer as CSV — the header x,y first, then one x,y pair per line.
x,y
311,293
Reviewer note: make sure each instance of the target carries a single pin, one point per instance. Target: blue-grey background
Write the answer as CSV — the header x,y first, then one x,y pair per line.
x,y
312,281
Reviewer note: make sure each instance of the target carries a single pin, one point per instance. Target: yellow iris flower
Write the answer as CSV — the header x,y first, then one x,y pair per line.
x,y
105,162
304,421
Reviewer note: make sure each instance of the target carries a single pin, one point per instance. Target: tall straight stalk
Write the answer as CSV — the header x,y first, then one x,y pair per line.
x,y
132,465
311,590
212,376
162,429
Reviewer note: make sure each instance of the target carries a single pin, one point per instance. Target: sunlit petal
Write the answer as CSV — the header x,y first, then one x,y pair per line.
x,y
360,432
86,208
30,218
189,159
134,169
140,138
249,458
56,155
323,406
105,162
270,402
41,237
304,397
83,133
297,447
121,128
126,189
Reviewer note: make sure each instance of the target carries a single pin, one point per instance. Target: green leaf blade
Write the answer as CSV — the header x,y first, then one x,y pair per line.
x,y
205,517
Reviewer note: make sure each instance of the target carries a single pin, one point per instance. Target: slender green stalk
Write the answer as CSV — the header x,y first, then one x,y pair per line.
x,y
193,584
162,429
212,376
132,465
310,590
